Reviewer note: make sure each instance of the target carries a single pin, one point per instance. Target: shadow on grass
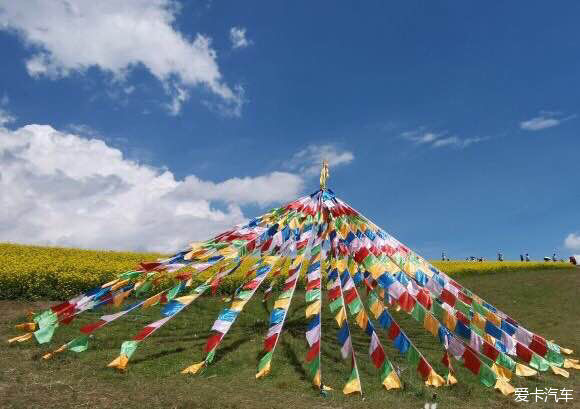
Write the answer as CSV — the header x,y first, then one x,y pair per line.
x,y
293,360
158,355
222,352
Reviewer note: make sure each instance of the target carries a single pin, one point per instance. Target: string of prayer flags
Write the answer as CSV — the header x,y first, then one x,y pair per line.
x,y
314,234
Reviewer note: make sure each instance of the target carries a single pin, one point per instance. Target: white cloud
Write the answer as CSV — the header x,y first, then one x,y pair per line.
x,y
421,136
572,242
115,37
5,116
238,37
545,119
63,189
309,160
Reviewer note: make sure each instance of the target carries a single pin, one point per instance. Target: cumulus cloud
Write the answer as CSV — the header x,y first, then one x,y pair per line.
x,y
308,160
572,242
238,37
421,136
64,189
545,119
116,36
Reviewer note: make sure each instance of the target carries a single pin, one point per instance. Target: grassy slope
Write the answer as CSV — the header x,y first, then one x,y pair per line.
x,y
545,301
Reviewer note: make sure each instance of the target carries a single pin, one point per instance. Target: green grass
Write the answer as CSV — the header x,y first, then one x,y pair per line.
x,y
545,301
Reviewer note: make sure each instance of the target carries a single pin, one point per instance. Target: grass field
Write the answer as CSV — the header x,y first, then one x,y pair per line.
x,y
544,300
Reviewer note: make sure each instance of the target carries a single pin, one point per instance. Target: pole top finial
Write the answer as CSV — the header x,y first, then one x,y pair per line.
x,y
324,174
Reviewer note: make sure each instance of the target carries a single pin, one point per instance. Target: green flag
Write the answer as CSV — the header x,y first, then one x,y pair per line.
x,y
79,344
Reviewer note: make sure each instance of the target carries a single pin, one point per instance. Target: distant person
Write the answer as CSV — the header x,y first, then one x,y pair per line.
x,y
554,259
499,256
521,257
527,257
443,255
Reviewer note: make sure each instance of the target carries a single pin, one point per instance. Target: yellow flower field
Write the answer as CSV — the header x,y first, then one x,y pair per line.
x,y
35,272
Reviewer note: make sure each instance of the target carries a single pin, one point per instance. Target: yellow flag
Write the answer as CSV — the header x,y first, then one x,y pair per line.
x,y
376,309
478,320
27,326
283,303
434,379
56,351
522,370
193,369
431,324
376,270
238,305
341,316
449,320
110,283
119,285
352,386
392,381
450,379
316,379
21,338
489,338
341,264
504,386
186,299
493,318
119,363
502,372
264,371
571,363
311,310
362,319
560,371
566,351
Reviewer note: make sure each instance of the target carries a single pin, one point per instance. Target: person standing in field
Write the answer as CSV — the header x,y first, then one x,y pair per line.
x,y
554,257
521,257
527,257
499,256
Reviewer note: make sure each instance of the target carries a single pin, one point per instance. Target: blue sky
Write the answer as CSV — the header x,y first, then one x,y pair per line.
x,y
453,126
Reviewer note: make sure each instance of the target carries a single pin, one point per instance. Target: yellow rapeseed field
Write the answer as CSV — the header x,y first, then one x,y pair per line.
x,y
35,272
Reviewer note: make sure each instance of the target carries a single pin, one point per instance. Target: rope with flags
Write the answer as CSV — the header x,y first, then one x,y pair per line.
x,y
338,249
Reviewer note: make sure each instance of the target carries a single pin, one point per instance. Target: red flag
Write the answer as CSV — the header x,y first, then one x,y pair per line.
x,y
490,351
212,341
313,352
87,329
270,342
313,284
538,345
378,356
143,333
406,302
448,297
523,352
424,298
424,368
334,293
471,361
394,330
